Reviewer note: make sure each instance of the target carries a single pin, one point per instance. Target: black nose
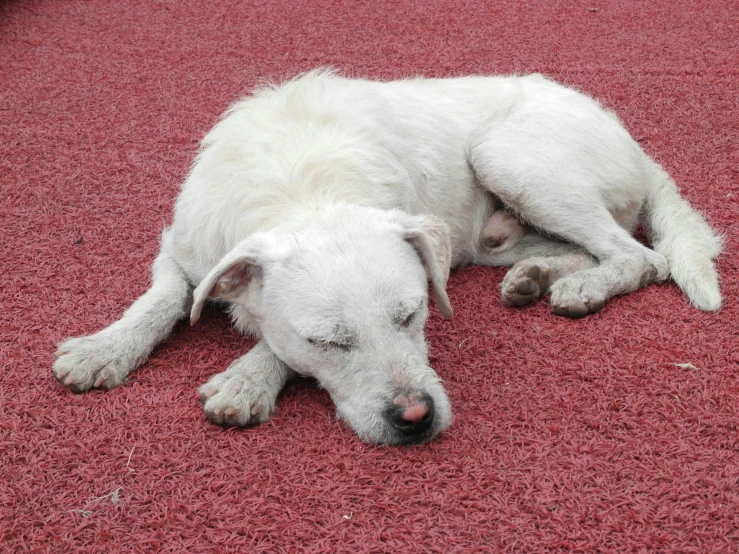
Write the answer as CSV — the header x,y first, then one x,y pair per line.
x,y
412,414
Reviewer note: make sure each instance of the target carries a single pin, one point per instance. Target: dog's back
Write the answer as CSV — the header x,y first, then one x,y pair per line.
x,y
322,139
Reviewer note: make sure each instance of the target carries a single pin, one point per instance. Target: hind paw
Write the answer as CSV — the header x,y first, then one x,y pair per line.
x,y
572,298
525,283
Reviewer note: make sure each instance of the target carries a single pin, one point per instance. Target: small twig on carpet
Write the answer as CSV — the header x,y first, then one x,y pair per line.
x,y
128,463
687,366
113,496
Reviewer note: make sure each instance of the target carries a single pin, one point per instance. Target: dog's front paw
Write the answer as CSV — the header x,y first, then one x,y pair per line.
x,y
93,361
524,283
573,298
233,399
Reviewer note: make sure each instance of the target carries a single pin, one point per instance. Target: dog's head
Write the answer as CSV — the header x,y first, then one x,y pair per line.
x,y
344,298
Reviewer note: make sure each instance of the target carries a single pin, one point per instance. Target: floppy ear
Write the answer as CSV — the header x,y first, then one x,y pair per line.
x,y
230,276
430,237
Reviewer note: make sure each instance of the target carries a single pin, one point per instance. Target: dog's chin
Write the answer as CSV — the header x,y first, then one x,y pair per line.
x,y
387,435
392,437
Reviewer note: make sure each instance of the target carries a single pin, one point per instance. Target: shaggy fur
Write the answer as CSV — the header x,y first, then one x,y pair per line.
x,y
320,208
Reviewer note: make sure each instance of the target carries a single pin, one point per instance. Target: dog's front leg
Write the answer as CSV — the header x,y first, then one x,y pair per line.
x,y
246,392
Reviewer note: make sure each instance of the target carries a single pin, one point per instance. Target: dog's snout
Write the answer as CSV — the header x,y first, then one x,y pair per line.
x,y
412,414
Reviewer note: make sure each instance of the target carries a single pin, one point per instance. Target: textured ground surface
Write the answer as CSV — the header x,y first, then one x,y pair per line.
x,y
569,435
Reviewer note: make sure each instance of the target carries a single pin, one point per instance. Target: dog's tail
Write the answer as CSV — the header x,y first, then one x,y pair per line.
x,y
682,235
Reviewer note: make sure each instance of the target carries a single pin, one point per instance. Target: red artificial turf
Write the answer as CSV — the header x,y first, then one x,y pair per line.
x,y
615,433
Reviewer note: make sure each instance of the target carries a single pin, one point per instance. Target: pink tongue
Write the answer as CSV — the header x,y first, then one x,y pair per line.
x,y
415,413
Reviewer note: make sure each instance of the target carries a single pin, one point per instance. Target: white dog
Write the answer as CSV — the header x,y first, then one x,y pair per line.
x,y
320,208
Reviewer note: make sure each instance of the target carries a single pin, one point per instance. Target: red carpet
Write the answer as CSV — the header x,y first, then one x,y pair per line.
x,y
616,433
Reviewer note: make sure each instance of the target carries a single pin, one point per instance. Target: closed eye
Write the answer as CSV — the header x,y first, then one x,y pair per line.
x,y
329,344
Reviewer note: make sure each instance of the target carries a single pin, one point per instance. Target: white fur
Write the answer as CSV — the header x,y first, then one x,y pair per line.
x,y
319,208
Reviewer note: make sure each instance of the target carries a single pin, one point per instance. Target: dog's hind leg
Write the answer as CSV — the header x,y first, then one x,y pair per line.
x,y
570,186
246,392
537,263
624,265
103,360
580,279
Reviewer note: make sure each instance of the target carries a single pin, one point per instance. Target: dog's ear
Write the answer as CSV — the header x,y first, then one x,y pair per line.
x,y
231,275
430,237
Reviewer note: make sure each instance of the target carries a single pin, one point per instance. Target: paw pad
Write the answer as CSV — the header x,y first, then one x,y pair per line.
x,y
525,283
